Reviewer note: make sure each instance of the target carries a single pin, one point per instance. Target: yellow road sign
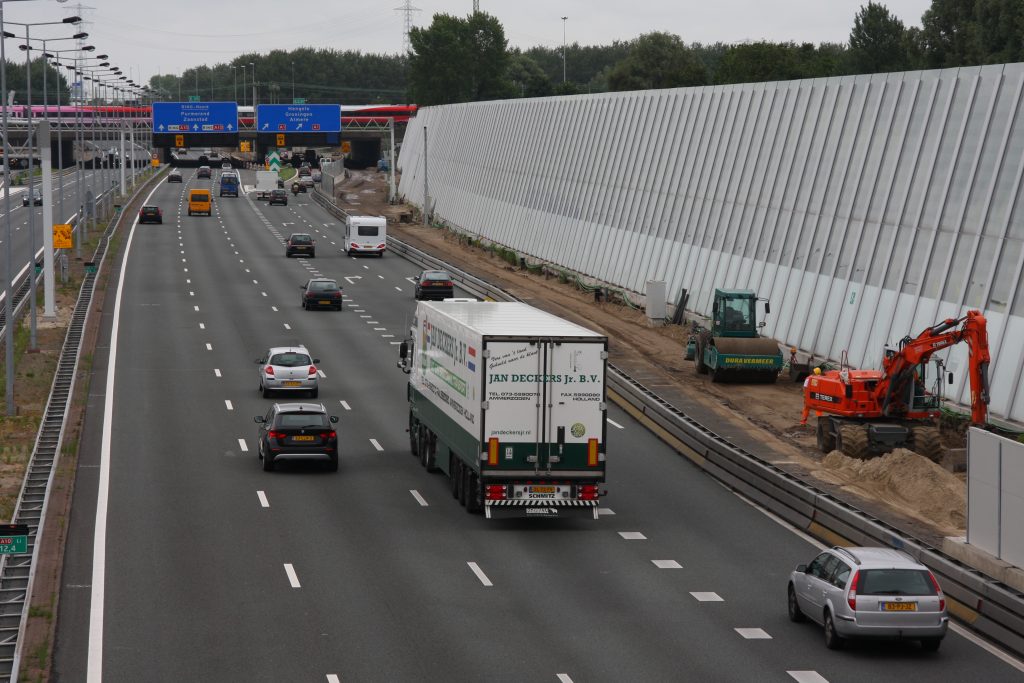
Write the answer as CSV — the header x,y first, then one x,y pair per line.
x,y
280,139
62,236
243,146
346,146
155,162
179,140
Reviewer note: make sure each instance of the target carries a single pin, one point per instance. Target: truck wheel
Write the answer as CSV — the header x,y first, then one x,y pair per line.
x,y
413,430
698,359
826,439
454,472
926,441
463,475
852,440
472,493
428,456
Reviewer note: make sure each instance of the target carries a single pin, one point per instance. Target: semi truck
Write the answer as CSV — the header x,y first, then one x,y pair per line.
x,y
509,402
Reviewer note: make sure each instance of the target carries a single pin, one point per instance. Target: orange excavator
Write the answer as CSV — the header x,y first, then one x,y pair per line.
x,y
868,412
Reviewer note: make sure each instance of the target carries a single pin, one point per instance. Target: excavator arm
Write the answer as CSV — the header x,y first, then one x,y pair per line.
x,y
899,368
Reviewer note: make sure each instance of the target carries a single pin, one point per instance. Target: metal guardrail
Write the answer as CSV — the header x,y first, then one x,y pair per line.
x,y
17,573
986,605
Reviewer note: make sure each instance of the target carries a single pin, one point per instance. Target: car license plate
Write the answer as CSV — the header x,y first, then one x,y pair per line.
x,y
324,302
899,606
303,438
293,384
542,489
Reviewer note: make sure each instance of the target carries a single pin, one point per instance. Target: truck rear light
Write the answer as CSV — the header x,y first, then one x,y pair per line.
x,y
588,492
938,591
851,597
492,451
495,492
592,456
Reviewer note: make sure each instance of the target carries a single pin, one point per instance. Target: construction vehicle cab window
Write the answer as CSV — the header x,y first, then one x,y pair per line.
x,y
732,349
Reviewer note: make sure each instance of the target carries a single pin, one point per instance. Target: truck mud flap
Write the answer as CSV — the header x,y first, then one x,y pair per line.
x,y
519,509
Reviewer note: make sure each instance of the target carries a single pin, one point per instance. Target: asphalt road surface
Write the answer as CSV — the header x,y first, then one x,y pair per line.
x,y
210,569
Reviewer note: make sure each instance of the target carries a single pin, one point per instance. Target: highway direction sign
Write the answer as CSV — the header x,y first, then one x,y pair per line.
x,y
195,117
13,539
298,118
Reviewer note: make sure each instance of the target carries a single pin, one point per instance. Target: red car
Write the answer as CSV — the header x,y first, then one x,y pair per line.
x,y
151,214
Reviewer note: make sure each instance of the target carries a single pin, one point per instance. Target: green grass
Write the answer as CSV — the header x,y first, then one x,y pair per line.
x,y
287,172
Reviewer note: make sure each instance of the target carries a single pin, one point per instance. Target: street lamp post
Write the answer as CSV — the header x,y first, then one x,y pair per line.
x,y
293,82
563,48
243,85
234,72
253,66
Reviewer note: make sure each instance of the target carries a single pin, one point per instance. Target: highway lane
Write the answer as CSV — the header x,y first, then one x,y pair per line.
x,y
198,537
21,238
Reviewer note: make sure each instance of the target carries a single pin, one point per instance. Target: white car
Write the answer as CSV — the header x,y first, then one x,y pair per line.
x,y
288,369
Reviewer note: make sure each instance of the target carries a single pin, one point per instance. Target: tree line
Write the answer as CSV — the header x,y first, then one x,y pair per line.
x,y
465,59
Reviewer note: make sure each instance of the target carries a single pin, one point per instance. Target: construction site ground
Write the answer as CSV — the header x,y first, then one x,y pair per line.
x,y
907,490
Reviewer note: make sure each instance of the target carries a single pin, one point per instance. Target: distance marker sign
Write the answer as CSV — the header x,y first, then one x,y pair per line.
x,y
298,118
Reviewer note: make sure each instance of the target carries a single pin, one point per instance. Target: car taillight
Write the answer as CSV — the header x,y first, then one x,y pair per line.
x,y
448,284
381,246
492,451
495,492
276,435
938,590
329,435
588,492
851,597
312,369
354,245
592,455
269,369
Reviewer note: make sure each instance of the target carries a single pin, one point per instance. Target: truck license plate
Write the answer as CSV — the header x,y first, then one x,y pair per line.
x,y
542,489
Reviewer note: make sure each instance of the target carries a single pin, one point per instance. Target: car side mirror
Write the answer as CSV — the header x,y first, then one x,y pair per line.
x,y
949,378
316,360
802,568
259,419
334,419
403,350
258,361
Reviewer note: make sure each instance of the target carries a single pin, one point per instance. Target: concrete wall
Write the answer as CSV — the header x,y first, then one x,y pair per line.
x,y
995,496
866,208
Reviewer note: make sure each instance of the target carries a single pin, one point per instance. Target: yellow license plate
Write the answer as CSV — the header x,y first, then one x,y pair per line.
x,y
303,438
899,606
542,489
325,302
293,384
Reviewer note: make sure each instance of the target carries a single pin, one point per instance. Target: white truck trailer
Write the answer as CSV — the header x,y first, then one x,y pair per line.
x,y
509,402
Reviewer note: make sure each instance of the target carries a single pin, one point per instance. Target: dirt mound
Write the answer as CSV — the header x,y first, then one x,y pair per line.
x,y
906,480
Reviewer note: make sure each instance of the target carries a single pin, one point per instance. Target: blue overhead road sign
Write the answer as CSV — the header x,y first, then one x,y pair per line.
x,y
195,117
298,118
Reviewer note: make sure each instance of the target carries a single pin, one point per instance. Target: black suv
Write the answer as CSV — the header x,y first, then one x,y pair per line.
x,y
151,214
300,243
297,431
321,292
434,284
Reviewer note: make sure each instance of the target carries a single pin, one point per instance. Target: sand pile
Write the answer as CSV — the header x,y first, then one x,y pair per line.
x,y
911,483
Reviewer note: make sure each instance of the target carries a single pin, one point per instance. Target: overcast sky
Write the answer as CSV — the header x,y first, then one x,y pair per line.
x,y
145,37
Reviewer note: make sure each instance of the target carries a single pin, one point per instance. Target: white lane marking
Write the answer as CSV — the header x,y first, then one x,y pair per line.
x,y
419,498
287,326
293,578
381,277
255,282
188,281
242,446
274,309
753,633
376,445
398,288
706,596
202,326
366,316
807,677
564,678
263,499
605,511
613,423
209,347
366,267
380,329
227,404
667,564
632,535
344,404
321,373
388,336
196,308
333,678
94,666
372,322
263,293
480,574
216,372
358,310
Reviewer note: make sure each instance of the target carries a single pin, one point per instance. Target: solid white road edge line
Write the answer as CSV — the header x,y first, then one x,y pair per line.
x,y
613,423
419,499
94,665
480,574
263,499
954,627
293,578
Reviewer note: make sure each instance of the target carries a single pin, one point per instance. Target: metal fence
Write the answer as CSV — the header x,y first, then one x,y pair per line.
x,y
995,495
865,207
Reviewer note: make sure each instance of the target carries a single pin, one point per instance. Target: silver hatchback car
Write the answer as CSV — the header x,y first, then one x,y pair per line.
x,y
288,369
869,593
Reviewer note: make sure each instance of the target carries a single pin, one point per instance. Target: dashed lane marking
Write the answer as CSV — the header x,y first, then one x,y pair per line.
x,y
263,499
228,405
605,511
667,564
216,372
632,536
753,633
419,498
209,347
293,578
287,326
613,423
242,446
807,677
706,596
344,404
480,574
376,444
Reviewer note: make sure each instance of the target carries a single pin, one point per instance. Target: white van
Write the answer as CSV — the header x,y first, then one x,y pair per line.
x,y
365,235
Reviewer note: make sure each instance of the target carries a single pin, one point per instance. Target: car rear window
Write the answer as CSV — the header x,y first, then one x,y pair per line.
x,y
200,197
149,209
323,286
895,582
436,276
290,359
301,239
368,231
300,420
